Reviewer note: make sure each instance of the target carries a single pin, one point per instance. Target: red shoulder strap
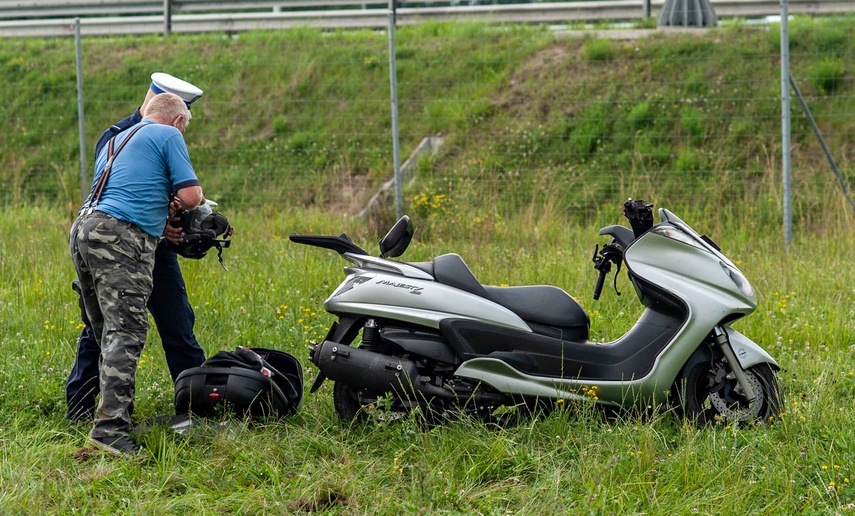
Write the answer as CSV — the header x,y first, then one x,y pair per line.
x,y
95,196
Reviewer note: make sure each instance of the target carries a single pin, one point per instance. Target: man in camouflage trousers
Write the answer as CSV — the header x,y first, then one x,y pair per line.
x,y
168,303
112,245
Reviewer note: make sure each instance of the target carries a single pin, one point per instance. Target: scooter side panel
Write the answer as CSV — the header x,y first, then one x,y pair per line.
x,y
689,273
403,269
378,294
694,277
506,379
634,354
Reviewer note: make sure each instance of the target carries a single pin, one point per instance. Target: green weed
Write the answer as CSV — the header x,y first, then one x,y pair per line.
x,y
569,460
827,76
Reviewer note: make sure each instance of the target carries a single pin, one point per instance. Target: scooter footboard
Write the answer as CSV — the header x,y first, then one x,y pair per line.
x,y
504,378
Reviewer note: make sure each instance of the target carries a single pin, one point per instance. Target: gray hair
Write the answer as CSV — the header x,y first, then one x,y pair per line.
x,y
167,106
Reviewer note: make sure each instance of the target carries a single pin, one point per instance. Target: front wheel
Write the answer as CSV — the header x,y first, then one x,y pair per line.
x,y
709,392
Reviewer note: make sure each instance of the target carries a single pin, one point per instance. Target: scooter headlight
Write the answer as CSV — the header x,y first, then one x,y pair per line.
x,y
738,279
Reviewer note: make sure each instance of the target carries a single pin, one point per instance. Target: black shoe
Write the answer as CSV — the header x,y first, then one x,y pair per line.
x,y
118,446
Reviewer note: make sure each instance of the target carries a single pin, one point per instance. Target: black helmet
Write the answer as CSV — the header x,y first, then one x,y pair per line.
x,y
252,382
202,227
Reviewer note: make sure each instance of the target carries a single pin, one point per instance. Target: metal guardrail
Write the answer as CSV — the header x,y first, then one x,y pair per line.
x,y
274,17
10,9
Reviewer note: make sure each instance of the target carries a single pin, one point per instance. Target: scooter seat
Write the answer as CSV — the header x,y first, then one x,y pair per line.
x,y
450,269
542,304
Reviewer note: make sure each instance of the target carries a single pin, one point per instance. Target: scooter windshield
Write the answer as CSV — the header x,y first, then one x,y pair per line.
x,y
669,218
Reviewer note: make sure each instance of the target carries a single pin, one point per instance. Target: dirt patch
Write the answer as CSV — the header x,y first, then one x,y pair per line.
x,y
534,79
321,503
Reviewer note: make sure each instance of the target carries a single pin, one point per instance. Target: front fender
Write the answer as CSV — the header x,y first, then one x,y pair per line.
x,y
748,352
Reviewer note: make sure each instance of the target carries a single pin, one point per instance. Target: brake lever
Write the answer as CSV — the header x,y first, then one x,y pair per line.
x,y
617,272
611,253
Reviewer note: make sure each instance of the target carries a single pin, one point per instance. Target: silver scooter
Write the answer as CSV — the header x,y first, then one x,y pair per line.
x,y
435,339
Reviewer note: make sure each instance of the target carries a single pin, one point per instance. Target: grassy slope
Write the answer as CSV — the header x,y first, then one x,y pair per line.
x,y
568,463
298,118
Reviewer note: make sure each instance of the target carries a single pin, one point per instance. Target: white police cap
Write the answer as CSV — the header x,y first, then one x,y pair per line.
x,y
163,82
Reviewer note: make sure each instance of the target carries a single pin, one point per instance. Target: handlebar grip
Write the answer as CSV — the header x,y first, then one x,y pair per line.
x,y
601,280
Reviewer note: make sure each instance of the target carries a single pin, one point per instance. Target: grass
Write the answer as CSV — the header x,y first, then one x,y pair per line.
x,y
302,117
544,138
568,462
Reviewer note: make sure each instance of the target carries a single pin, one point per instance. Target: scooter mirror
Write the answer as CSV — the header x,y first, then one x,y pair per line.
x,y
397,239
640,216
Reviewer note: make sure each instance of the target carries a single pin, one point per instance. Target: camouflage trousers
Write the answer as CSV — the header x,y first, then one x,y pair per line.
x,y
114,261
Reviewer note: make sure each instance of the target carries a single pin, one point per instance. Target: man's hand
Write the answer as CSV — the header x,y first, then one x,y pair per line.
x,y
175,205
173,231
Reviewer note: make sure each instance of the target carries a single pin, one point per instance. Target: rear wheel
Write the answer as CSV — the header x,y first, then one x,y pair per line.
x,y
346,401
356,404
709,392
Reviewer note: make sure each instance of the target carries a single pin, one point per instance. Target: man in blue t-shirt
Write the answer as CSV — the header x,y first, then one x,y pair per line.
x,y
140,174
168,303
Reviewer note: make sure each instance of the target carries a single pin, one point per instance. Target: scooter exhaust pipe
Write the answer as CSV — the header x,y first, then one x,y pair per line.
x,y
373,371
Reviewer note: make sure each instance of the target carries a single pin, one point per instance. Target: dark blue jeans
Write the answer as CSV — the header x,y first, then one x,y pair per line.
x,y
174,319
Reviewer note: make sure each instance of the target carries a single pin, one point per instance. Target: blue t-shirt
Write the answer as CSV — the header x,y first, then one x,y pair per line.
x,y
154,164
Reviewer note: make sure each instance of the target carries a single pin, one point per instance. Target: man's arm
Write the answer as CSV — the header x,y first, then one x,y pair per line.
x,y
190,197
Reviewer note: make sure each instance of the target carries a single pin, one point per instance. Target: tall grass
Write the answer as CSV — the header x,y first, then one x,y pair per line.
x,y
571,461
543,141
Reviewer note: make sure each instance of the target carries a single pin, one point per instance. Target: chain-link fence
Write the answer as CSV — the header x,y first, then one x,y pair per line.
x,y
521,117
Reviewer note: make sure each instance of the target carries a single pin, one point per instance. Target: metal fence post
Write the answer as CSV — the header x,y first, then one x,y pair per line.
x,y
167,17
841,179
84,184
393,81
785,125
